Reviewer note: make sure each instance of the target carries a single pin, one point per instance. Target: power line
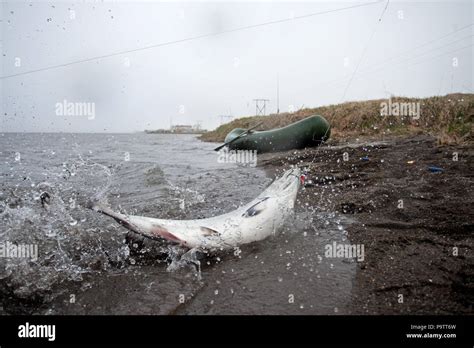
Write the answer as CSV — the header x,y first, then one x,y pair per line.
x,y
347,87
384,63
419,62
419,55
431,58
168,43
435,57
424,44
400,64
381,65
364,52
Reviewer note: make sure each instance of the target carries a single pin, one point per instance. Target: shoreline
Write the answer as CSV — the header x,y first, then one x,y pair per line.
x,y
408,250
448,118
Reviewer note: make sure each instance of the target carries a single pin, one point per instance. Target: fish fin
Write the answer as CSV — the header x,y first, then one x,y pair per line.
x,y
206,231
161,231
255,209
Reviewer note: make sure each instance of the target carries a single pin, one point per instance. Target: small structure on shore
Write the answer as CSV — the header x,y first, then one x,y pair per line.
x,y
182,128
178,129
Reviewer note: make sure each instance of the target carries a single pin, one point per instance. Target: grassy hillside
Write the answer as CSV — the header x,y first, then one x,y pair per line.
x,y
449,118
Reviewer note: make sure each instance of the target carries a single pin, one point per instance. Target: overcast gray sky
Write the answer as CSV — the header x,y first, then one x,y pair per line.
x,y
418,49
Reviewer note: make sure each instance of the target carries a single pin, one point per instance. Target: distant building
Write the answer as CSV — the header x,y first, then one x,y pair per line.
x,y
179,129
182,128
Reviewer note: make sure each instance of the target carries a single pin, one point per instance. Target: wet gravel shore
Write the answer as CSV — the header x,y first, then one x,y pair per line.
x,y
416,223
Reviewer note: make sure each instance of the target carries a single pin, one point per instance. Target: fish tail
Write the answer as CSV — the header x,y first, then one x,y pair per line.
x,y
102,208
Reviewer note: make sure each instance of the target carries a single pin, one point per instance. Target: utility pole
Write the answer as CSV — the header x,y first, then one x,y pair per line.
x,y
278,93
225,117
198,125
260,106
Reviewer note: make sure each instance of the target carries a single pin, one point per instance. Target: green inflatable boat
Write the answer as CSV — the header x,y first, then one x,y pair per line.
x,y
308,132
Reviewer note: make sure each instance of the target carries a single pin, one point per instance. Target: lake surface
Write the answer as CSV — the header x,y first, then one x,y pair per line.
x,y
89,264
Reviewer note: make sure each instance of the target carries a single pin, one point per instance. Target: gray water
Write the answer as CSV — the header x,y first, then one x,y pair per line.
x,y
89,264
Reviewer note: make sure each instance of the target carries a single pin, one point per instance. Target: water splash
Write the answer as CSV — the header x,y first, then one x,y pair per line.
x,y
62,229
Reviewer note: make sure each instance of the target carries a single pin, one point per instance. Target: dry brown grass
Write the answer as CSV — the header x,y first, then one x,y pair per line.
x,y
449,118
